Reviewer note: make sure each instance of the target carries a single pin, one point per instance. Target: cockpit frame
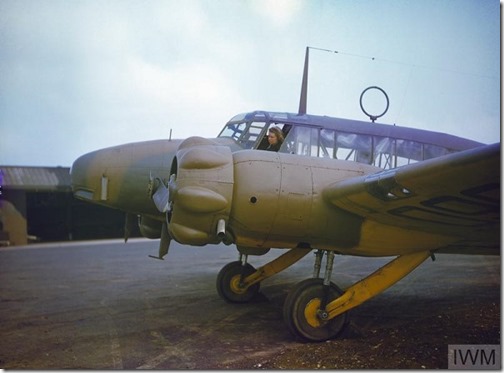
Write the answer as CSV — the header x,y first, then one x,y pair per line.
x,y
382,145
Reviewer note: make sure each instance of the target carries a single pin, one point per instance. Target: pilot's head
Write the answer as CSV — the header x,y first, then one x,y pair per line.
x,y
275,136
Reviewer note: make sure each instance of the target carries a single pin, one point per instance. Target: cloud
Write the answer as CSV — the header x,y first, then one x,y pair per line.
x,y
279,12
202,84
198,90
139,100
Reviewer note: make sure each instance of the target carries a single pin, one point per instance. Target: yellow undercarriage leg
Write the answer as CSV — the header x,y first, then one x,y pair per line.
x,y
275,266
376,283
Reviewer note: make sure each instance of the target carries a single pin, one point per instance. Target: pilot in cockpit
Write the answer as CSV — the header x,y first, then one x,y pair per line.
x,y
275,139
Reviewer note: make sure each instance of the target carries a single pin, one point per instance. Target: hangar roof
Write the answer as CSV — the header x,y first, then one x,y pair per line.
x,y
40,179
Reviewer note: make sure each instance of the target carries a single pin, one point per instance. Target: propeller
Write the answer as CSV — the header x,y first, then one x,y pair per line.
x,y
196,199
164,243
161,198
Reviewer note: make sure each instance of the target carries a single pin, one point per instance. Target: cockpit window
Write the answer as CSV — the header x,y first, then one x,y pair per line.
x,y
245,134
254,131
384,152
264,143
234,130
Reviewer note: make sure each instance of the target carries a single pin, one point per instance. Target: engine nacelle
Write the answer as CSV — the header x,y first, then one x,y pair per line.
x,y
201,192
149,228
257,199
278,201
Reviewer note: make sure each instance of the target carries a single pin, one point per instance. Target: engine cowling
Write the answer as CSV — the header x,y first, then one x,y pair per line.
x,y
201,192
149,227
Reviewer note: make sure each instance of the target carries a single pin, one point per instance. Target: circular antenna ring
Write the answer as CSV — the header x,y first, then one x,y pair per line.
x,y
371,116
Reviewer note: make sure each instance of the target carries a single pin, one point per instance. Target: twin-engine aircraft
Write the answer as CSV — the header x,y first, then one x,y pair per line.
x,y
336,186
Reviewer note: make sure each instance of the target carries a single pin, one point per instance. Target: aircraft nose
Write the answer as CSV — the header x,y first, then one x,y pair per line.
x,y
85,176
118,176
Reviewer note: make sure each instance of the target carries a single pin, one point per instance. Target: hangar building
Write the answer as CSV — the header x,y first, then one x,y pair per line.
x,y
37,205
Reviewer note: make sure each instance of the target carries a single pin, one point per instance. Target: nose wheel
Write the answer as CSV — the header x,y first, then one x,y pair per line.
x,y
230,283
304,314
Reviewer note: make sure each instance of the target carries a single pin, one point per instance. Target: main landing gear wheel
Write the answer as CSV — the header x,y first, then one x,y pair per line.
x,y
301,311
228,283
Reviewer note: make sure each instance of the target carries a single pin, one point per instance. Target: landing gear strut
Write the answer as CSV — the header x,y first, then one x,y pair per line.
x,y
317,310
305,307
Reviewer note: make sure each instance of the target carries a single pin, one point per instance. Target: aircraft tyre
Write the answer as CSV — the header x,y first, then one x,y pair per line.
x,y
228,281
300,311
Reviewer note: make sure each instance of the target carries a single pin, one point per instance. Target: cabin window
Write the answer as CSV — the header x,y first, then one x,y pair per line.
x,y
383,152
380,151
408,152
302,141
327,148
434,151
354,147
344,145
314,142
364,146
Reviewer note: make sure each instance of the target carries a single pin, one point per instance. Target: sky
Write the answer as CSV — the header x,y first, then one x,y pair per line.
x,y
80,75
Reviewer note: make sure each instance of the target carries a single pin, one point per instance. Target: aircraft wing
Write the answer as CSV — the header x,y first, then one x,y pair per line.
x,y
451,203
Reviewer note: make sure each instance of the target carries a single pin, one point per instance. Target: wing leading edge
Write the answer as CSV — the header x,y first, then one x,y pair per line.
x,y
450,204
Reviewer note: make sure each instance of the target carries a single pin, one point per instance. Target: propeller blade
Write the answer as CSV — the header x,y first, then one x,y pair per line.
x,y
161,197
164,243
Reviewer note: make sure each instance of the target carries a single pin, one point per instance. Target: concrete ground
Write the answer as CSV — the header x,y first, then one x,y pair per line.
x,y
106,305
